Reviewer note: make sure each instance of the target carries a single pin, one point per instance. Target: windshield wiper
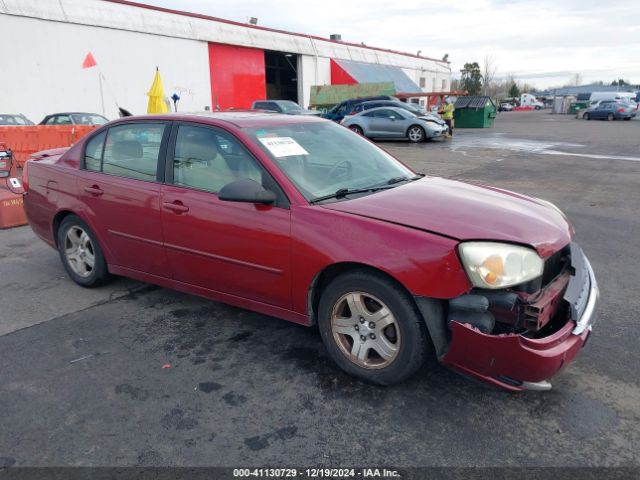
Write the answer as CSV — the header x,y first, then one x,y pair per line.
x,y
395,180
343,192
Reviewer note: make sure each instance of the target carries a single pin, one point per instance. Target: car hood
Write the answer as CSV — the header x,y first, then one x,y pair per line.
x,y
432,119
466,212
309,112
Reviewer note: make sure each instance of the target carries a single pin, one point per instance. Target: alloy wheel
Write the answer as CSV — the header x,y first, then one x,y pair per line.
x,y
415,134
79,251
365,330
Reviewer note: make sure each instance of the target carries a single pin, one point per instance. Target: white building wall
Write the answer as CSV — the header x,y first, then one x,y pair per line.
x,y
315,71
47,76
128,42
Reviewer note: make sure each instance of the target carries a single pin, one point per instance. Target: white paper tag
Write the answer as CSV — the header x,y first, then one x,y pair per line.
x,y
283,146
15,183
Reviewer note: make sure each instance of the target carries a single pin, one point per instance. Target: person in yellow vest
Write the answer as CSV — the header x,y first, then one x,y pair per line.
x,y
446,110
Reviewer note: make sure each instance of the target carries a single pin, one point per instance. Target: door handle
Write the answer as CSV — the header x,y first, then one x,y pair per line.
x,y
176,207
94,190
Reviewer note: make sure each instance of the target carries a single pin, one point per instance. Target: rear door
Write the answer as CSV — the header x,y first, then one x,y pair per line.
x,y
241,249
119,187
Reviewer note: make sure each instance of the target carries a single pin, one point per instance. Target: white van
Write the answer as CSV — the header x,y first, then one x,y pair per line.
x,y
627,96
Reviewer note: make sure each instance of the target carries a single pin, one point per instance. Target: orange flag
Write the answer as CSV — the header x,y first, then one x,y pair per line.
x,y
89,61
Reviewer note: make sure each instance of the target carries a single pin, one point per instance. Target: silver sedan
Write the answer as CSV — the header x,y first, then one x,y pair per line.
x,y
394,122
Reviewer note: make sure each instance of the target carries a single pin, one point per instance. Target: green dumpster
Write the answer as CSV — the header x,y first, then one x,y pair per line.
x,y
474,112
575,106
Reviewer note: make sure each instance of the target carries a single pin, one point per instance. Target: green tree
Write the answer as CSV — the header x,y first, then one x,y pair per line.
x,y
514,91
471,79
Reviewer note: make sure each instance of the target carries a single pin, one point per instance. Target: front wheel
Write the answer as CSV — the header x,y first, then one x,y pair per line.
x,y
415,134
80,253
586,116
371,328
610,117
356,129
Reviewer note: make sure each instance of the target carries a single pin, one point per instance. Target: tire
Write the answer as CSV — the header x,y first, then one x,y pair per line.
x,y
81,254
586,116
610,117
415,134
400,335
356,129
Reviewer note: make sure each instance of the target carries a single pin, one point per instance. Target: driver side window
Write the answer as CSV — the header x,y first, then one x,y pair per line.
x,y
209,158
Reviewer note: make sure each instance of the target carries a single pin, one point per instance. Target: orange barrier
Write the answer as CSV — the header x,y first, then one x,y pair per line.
x,y
11,209
30,139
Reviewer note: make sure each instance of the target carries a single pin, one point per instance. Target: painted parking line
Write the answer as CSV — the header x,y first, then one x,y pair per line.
x,y
590,155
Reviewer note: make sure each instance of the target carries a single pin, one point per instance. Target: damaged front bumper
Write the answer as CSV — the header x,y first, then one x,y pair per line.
x,y
517,362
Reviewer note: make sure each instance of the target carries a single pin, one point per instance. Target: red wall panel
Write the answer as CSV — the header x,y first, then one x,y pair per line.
x,y
339,76
237,76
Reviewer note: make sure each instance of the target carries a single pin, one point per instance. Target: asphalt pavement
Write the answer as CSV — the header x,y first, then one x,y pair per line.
x,y
134,375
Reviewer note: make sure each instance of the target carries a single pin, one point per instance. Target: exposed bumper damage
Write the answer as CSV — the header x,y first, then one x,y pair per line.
x,y
522,351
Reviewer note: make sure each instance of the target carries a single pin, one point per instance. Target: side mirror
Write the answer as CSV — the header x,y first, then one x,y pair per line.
x,y
248,191
392,117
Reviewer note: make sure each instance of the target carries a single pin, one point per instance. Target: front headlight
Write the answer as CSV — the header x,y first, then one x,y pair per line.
x,y
498,265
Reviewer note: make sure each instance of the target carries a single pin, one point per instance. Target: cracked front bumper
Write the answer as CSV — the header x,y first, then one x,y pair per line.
x,y
511,361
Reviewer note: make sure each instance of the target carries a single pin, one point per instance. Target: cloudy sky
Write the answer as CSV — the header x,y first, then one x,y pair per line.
x,y
543,42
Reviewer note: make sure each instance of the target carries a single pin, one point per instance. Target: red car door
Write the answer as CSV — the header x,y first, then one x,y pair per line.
x,y
119,189
242,249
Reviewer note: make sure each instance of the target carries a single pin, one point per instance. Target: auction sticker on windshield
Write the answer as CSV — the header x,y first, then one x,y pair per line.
x,y
283,146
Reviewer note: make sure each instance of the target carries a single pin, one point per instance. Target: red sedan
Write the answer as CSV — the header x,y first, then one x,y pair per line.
x,y
300,218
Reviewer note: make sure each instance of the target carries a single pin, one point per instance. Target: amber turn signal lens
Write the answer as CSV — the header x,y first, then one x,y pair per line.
x,y
494,268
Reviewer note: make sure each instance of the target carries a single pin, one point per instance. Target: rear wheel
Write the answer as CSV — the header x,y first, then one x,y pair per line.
x,y
371,328
586,116
610,117
80,253
415,134
356,129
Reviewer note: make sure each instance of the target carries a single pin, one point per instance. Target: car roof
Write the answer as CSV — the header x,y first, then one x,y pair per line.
x,y
238,118
74,113
399,109
379,101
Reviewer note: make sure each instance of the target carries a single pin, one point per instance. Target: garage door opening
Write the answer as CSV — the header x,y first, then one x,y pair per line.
x,y
281,72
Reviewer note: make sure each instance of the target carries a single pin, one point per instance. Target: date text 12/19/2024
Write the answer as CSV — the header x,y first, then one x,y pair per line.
x,y
312,473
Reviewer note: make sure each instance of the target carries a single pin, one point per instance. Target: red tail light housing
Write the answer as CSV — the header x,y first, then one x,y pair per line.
x,y
25,176
621,110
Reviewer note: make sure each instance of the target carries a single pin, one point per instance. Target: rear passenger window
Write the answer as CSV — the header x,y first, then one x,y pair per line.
x,y
132,150
93,153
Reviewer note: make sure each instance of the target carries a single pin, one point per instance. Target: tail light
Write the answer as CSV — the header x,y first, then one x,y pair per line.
x,y
25,176
621,110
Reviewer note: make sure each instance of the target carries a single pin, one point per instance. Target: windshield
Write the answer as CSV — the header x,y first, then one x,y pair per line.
x,y
14,120
413,108
288,106
322,158
88,119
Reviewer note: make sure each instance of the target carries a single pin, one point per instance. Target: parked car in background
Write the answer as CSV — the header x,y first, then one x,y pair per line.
x,y
16,119
282,106
505,107
298,218
610,110
394,122
338,112
74,118
411,107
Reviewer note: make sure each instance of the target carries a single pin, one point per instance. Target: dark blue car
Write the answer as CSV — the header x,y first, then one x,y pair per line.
x,y
610,111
